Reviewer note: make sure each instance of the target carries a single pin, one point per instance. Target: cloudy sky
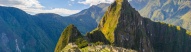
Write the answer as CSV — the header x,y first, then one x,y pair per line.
x,y
61,7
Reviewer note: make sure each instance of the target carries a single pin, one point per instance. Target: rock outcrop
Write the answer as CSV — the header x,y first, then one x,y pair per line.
x,y
123,26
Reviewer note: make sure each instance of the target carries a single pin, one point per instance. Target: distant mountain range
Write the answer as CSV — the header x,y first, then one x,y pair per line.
x,y
39,33
123,26
176,12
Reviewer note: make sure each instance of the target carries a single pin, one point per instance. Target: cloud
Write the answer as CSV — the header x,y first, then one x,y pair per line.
x,y
60,11
21,3
72,0
95,2
34,7
70,4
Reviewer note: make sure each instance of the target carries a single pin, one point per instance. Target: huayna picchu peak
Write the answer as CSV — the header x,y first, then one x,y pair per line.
x,y
69,35
122,26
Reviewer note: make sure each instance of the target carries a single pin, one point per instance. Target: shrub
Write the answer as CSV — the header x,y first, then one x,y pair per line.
x,y
81,43
99,43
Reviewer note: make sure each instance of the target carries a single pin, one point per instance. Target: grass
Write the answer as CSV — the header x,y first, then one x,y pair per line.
x,y
81,43
110,21
178,28
67,37
188,32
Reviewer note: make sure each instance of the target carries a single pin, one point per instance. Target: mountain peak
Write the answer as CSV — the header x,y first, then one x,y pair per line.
x,y
70,34
116,13
71,26
123,26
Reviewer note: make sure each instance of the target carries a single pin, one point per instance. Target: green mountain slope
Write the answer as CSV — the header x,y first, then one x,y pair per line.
x,y
169,11
19,32
30,33
89,17
123,26
70,34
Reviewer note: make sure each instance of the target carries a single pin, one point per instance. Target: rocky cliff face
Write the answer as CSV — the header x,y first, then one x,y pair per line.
x,y
169,11
123,26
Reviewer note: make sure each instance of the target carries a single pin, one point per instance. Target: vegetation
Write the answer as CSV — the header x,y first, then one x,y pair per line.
x,y
97,36
178,27
98,43
188,32
108,26
173,12
70,34
81,43
167,36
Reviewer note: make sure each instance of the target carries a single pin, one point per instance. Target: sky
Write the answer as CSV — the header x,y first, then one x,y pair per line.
x,y
61,7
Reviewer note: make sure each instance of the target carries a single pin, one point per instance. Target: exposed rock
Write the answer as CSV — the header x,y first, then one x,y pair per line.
x,y
123,26
176,12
